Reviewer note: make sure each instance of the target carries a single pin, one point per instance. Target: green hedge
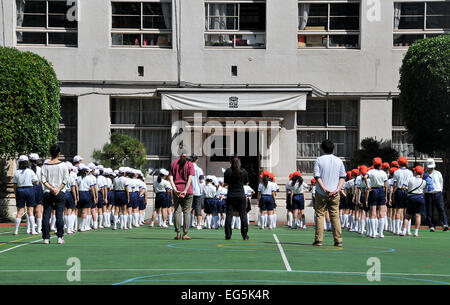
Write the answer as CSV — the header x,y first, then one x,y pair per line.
x,y
29,103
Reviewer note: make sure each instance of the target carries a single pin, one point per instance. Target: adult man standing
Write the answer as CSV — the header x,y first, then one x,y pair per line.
x,y
197,201
329,172
180,176
434,198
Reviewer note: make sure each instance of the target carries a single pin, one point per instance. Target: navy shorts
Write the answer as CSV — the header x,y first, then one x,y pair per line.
x,y
100,200
134,200
222,206
120,198
110,198
363,206
249,204
68,201
162,200
211,205
342,203
298,202
400,199
415,204
25,195
85,200
142,203
266,203
38,194
288,201
350,203
377,197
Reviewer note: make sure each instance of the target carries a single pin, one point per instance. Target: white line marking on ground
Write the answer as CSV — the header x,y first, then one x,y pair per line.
x,y
286,263
6,232
15,247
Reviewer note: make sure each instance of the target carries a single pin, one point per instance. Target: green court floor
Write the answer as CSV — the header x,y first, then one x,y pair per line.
x,y
280,256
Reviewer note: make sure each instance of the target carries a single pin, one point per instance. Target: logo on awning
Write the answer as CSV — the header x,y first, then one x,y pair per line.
x,y
233,102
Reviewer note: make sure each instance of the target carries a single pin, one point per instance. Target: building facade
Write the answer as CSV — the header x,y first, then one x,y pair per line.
x,y
292,72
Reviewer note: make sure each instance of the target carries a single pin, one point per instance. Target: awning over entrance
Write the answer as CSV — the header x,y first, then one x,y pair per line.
x,y
261,99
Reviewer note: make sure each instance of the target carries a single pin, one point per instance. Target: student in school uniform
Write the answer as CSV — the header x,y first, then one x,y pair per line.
x,y
142,197
377,197
249,192
86,189
102,196
350,197
133,189
54,177
361,198
162,189
24,180
210,192
222,192
108,174
38,191
395,164
70,199
400,196
415,204
266,202
343,209
92,211
390,209
298,187
289,211
121,199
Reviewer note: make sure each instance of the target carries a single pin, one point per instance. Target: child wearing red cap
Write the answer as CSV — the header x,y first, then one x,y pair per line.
x,y
416,201
361,195
377,198
401,178
289,211
343,208
298,199
266,201
390,209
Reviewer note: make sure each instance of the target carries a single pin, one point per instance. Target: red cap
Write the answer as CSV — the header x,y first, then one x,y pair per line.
x,y
363,169
377,161
371,167
313,180
394,164
291,176
419,169
393,169
297,174
385,165
265,173
349,174
355,172
402,161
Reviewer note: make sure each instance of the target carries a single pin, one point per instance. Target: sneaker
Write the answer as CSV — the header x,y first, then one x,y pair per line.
x,y
432,229
152,224
60,240
338,244
416,235
198,227
46,241
381,236
317,243
445,228
34,232
409,233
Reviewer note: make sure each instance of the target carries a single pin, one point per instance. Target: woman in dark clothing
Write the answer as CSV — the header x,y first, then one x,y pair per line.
x,y
235,177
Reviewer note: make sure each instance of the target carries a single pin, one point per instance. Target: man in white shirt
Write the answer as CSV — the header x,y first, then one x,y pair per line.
x,y
197,200
329,172
434,197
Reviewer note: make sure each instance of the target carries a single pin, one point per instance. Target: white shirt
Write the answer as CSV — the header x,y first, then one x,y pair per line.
x,y
313,189
70,183
24,178
438,181
401,176
416,182
84,184
222,191
350,184
288,187
298,188
248,191
196,180
267,190
134,185
276,187
54,174
330,169
120,183
360,183
210,191
109,183
101,182
161,187
377,177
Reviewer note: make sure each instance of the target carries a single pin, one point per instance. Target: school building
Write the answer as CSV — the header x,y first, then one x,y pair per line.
x,y
292,72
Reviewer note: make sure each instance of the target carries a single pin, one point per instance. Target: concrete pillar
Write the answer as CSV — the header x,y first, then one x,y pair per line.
x,y
375,119
94,124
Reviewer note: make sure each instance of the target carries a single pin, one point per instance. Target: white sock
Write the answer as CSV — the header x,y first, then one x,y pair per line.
x,y
17,224
238,223
289,219
66,221
363,225
130,221
28,224
416,232
160,222
381,225
385,223
259,220
400,224
100,220
409,226
328,225
53,222
116,219
341,217
369,226
274,221
270,221
123,221
233,222
39,224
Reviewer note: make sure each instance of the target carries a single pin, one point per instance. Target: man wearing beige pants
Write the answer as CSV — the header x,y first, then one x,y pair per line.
x,y
329,172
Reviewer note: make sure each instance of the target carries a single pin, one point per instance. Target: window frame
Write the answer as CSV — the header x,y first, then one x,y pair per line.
x,y
141,31
74,126
235,33
327,33
47,29
140,128
424,32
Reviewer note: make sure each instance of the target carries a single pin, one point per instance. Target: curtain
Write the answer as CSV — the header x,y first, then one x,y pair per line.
x,y
167,13
157,142
308,143
20,9
397,14
304,13
219,22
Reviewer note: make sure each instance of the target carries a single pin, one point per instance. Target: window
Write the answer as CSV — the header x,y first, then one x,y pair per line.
x,y
144,119
235,25
45,23
67,136
328,25
142,24
419,20
336,120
